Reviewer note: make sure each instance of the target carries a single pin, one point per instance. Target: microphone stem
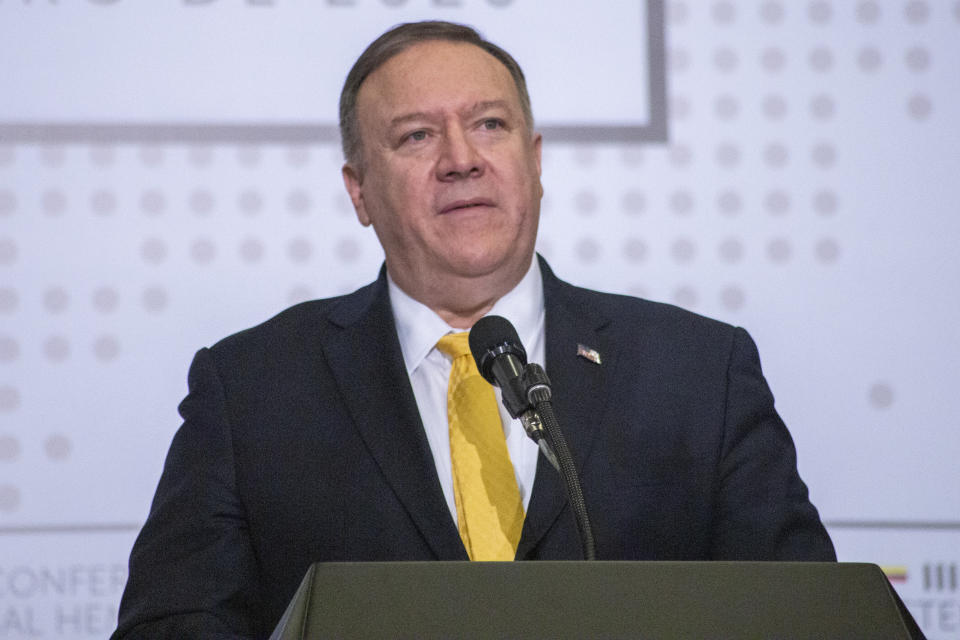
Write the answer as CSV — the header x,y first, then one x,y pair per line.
x,y
568,472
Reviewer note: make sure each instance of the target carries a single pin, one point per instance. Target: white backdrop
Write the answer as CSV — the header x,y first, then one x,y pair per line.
x,y
169,174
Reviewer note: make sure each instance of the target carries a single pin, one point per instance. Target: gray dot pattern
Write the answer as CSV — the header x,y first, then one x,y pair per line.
x,y
53,203
201,202
822,107
776,155
585,202
774,107
771,12
827,251
727,107
250,202
880,395
634,202
9,252
731,250
869,59
732,298
56,349
777,202
298,156
103,202
681,155
779,250
825,203
58,447
728,155
299,250
298,202
153,250
683,250
200,156
106,348
749,183
153,202
730,203
725,60
824,155
9,498
203,251
635,250
723,12
53,156
917,12
347,250
251,250
151,156
9,349
587,250
9,399
154,299
105,299
868,12
9,300
8,203
820,12
9,448
773,60
56,300
821,59
917,59
681,203
919,107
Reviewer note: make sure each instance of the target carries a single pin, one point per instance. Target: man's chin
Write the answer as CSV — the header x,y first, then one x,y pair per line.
x,y
490,264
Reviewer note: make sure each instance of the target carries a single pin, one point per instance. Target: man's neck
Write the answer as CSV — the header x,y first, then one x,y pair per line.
x,y
459,301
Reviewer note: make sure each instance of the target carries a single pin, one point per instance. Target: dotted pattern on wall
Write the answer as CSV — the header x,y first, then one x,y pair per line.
x,y
768,208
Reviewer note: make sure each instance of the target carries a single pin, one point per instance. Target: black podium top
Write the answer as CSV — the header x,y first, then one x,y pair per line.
x,y
655,600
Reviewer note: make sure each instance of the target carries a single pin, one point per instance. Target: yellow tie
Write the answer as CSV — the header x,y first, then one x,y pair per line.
x,y
489,509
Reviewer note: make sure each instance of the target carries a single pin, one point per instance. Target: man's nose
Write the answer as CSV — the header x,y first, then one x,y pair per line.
x,y
459,157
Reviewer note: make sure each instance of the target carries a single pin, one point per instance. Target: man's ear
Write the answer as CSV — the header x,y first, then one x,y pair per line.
x,y
353,181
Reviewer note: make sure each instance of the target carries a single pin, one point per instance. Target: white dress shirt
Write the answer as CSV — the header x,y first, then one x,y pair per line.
x,y
419,329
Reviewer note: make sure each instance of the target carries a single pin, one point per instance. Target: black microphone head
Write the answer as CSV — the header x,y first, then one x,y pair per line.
x,y
492,336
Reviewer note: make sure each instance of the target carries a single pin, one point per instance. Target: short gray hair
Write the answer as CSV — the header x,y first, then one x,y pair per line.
x,y
394,42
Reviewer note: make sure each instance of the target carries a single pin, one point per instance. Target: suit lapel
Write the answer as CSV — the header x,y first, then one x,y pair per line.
x,y
578,396
365,357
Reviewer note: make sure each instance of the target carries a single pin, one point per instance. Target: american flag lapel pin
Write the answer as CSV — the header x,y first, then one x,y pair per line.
x,y
590,354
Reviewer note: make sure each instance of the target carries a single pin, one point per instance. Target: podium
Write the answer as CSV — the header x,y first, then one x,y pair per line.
x,y
649,600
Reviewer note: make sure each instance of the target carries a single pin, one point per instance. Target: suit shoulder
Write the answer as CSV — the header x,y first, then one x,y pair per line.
x,y
303,321
640,314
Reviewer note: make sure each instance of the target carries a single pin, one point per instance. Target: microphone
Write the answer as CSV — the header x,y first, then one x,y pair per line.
x,y
502,361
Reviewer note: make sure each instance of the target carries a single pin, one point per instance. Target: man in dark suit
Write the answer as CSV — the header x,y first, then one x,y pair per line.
x,y
320,434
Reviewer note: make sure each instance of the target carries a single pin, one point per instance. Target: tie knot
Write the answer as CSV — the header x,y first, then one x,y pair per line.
x,y
455,345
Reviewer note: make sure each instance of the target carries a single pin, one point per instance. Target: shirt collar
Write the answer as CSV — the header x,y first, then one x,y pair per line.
x,y
419,327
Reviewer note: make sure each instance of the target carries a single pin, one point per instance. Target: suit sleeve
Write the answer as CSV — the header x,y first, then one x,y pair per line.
x,y
763,511
193,573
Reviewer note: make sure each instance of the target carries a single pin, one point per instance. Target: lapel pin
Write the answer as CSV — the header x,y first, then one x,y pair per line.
x,y
590,354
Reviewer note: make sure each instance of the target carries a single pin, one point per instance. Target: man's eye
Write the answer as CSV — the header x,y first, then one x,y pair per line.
x,y
417,136
492,123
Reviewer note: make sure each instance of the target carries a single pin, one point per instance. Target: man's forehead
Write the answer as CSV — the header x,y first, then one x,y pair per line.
x,y
420,70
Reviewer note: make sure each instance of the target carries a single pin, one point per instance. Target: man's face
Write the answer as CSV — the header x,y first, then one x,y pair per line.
x,y
450,176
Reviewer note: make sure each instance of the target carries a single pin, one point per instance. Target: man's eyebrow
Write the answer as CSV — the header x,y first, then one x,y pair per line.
x,y
475,108
487,105
407,117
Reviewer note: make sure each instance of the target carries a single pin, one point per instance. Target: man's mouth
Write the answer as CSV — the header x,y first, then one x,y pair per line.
x,y
460,205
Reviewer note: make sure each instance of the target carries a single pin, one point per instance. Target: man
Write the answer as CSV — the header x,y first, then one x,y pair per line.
x,y
322,434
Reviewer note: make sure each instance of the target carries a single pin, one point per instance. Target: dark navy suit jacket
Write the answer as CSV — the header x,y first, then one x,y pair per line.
x,y
302,442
